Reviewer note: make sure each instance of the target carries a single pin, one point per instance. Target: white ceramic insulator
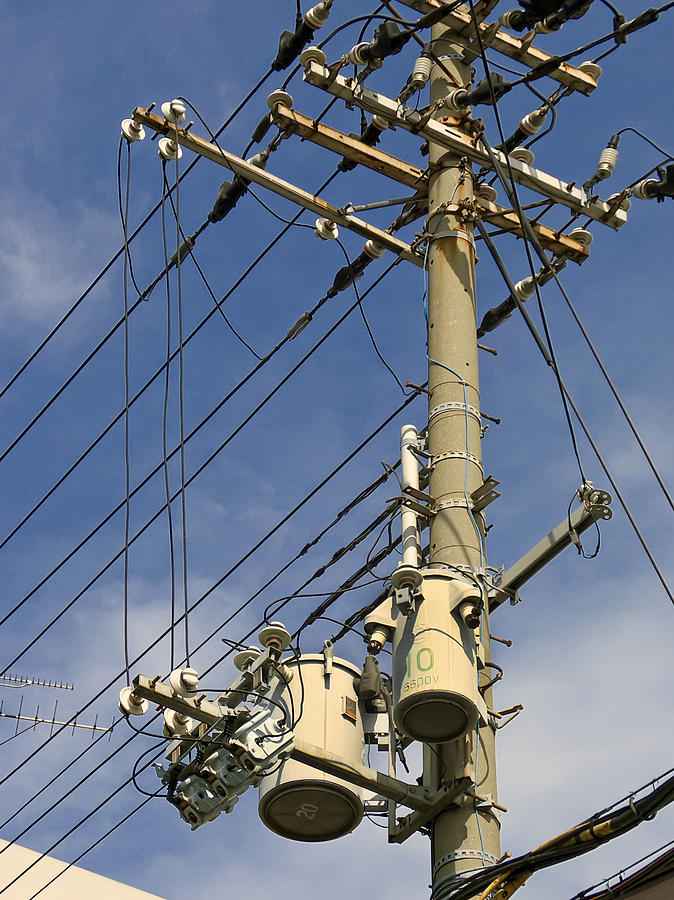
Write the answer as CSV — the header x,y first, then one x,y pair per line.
x,y
525,289
504,19
374,249
523,155
531,123
453,100
168,149
624,203
640,190
132,131
312,54
326,230
174,111
379,122
355,54
260,159
279,97
581,235
591,69
177,723
318,15
607,161
131,705
184,682
486,192
410,478
421,72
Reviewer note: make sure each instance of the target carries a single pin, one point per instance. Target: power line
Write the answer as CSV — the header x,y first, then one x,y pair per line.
x,y
161,369
359,498
192,477
121,250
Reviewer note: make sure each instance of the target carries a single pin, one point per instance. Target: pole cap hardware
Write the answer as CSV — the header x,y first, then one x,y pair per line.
x,y
184,682
244,658
275,635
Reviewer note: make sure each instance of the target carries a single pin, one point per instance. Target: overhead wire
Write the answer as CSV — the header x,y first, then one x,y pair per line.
x,y
530,237
124,215
131,237
359,498
204,596
231,570
181,402
162,368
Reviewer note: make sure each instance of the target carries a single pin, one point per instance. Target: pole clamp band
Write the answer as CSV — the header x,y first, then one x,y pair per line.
x,y
451,407
456,454
463,854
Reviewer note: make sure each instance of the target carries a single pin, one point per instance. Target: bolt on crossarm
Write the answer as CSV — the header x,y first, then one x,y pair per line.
x,y
462,836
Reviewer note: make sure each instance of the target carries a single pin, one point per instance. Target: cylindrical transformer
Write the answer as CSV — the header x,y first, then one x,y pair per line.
x,y
434,662
298,801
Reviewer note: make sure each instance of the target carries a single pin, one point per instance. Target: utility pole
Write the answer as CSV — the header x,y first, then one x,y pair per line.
x,y
463,837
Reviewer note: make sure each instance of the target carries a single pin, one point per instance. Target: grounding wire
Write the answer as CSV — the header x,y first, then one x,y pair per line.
x,y
192,477
161,369
121,250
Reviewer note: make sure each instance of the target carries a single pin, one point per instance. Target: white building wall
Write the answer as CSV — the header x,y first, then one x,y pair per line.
x,y
75,884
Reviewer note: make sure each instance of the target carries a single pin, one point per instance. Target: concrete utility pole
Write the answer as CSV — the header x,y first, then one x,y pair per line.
x,y
461,835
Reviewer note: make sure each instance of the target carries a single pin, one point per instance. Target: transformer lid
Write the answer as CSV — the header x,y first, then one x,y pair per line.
x,y
311,810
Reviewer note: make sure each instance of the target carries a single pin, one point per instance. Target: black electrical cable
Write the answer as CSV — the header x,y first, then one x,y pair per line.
x,y
162,368
511,190
539,342
365,493
92,846
647,139
124,216
630,881
576,841
530,236
164,435
217,584
121,250
367,324
81,822
181,403
194,475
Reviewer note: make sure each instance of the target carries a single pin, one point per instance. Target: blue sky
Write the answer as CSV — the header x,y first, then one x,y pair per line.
x,y
592,639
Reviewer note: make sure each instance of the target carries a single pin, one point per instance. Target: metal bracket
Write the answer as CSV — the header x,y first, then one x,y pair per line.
x,y
441,799
485,494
